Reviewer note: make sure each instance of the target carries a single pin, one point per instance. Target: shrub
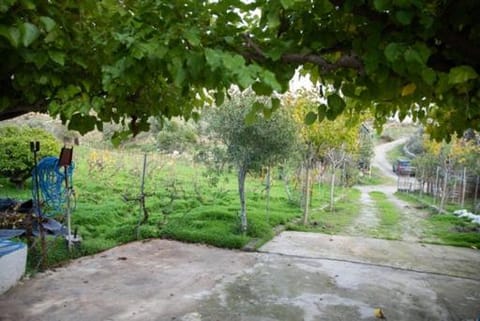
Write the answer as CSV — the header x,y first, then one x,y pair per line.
x,y
16,159
176,136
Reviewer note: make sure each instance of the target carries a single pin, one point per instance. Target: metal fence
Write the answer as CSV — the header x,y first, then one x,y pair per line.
x,y
444,185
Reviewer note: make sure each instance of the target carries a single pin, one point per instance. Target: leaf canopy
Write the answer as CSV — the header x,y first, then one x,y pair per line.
x,y
100,61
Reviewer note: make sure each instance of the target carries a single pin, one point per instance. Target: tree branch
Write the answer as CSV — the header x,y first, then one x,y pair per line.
x,y
19,110
348,61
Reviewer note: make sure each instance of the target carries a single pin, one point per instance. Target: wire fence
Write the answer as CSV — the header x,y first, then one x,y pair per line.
x,y
444,186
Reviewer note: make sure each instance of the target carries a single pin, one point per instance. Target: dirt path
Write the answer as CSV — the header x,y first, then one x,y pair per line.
x,y
368,220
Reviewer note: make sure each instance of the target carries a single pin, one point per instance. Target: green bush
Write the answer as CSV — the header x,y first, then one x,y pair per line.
x,y
16,159
176,136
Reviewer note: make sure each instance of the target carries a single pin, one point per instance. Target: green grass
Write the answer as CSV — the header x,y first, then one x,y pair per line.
x,y
452,230
430,200
182,203
395,153
446,229
332,222
389,215
376,178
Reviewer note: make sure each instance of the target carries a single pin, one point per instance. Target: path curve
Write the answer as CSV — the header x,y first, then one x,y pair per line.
x,y
411,221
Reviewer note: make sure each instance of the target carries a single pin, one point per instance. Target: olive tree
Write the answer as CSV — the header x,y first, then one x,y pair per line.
x,y
252,139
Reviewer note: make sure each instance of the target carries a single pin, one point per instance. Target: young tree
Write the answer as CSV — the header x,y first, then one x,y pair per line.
x,y
251,144
329,136
99,61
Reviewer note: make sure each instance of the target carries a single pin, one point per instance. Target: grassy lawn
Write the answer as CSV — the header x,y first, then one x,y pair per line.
x,y
325,221
448,228
389,215
184,202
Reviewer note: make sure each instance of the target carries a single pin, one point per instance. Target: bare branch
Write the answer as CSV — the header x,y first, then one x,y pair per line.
x,y
348,61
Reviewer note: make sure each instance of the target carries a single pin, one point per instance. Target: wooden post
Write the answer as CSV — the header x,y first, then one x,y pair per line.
x,y
444,190
306,208
35,148
267,187
475,197
464,186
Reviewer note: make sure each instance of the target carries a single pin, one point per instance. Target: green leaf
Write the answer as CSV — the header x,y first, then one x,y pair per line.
x,y
413,57
335,103
323,6
195,116
196,65
273,20
193,37
310,118
6,4
99,125
409,89
257,106
48,23
322,109
244,78
404,17
57,56
270,80
213,57
348,90
82,123
267,113
29,33
429,75
251,118
233,62
275,103
287,3
219,97
28,4
393,51
423,50
261,88
119,137
381,5
12,34
461,74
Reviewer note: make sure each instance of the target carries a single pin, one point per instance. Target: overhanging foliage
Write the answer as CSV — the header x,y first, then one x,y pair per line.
x,y
99,61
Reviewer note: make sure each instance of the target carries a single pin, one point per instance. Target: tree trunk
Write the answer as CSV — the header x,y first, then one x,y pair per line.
x,y
284,178
307,194
242,174
332,189
435,193
444,191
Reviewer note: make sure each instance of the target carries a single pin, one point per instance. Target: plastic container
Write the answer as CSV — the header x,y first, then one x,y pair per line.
x,y
13,260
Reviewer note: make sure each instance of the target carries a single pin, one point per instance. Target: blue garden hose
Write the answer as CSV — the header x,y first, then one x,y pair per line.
x,y
51,185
